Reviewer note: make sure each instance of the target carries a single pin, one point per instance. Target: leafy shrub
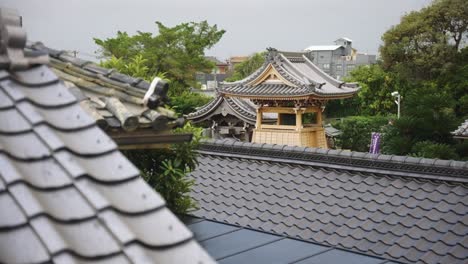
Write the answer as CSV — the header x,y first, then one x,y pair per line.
x,y
356,131
429,149
462,149
187,102
399,137
166,170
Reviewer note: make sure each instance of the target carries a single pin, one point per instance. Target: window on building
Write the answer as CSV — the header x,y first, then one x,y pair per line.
x,y
287,119
309,119
350,67
339,67
326,65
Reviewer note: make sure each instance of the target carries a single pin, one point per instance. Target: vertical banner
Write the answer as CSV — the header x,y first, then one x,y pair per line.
x,y
375,143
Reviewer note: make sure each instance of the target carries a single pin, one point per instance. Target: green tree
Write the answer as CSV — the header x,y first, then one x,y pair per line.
x,y
357,130
376,87
428,115
187,102
247,67
433,150
425,43
177,51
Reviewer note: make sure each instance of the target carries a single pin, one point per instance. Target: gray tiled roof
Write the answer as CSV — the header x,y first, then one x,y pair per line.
x,y
462,130
401,208
306,79
67,195
244,109
99,89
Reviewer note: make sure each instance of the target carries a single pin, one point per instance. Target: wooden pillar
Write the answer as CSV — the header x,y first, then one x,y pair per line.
x,y
258,124
298,119
279,119
319,117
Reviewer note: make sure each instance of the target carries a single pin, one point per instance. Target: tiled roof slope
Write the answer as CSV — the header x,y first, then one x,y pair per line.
x,y
305,79
114,99
67,195
462,130
401,208
242,108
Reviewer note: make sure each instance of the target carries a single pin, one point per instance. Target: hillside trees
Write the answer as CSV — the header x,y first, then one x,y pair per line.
x,y
425,59
428,50
177,52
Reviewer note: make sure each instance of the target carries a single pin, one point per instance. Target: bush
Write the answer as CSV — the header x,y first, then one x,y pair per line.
x,y
166,170
187,102
433,150
356,131
462,150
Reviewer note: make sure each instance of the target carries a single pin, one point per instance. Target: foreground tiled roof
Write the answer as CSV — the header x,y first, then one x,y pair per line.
x,y
303,80
67,195
243,109
462,130
114,99
235,244
402,208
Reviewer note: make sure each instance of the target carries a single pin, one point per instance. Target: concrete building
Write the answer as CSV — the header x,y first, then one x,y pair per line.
x,y
339,59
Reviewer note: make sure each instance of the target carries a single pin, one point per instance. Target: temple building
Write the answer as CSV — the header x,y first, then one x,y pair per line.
x,y
288,94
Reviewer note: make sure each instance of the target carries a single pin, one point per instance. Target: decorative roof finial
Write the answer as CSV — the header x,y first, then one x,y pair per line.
x,y
272,52
13,42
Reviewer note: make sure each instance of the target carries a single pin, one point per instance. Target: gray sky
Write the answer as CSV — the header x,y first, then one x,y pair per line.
x,y
251,25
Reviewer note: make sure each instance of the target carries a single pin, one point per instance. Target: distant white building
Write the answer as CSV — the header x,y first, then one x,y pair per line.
x,y
339,59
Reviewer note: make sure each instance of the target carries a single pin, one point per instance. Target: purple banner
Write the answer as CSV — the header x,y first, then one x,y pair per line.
x,y
375,143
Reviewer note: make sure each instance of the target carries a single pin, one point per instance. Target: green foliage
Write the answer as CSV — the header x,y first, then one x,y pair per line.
x,y
425,43
247,67
462,149
177,51
166,170
427,116
187,102
425,59
399,137
433,150
357,130
135,67
374,97
433,114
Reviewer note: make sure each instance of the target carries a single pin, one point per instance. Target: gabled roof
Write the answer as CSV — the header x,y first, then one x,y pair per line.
x,y
67,195
288,76
115,100
323,47
241,108
235,244
461,131
401,208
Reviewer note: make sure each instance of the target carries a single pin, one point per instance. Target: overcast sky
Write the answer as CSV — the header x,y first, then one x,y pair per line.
x,y
251,25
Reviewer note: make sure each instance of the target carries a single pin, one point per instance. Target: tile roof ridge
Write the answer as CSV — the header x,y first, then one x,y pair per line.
x,y
208,107
12,53
108,77
403,166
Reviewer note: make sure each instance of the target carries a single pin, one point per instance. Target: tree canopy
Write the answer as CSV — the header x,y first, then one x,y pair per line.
x,y
176,52
425,43
425,59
